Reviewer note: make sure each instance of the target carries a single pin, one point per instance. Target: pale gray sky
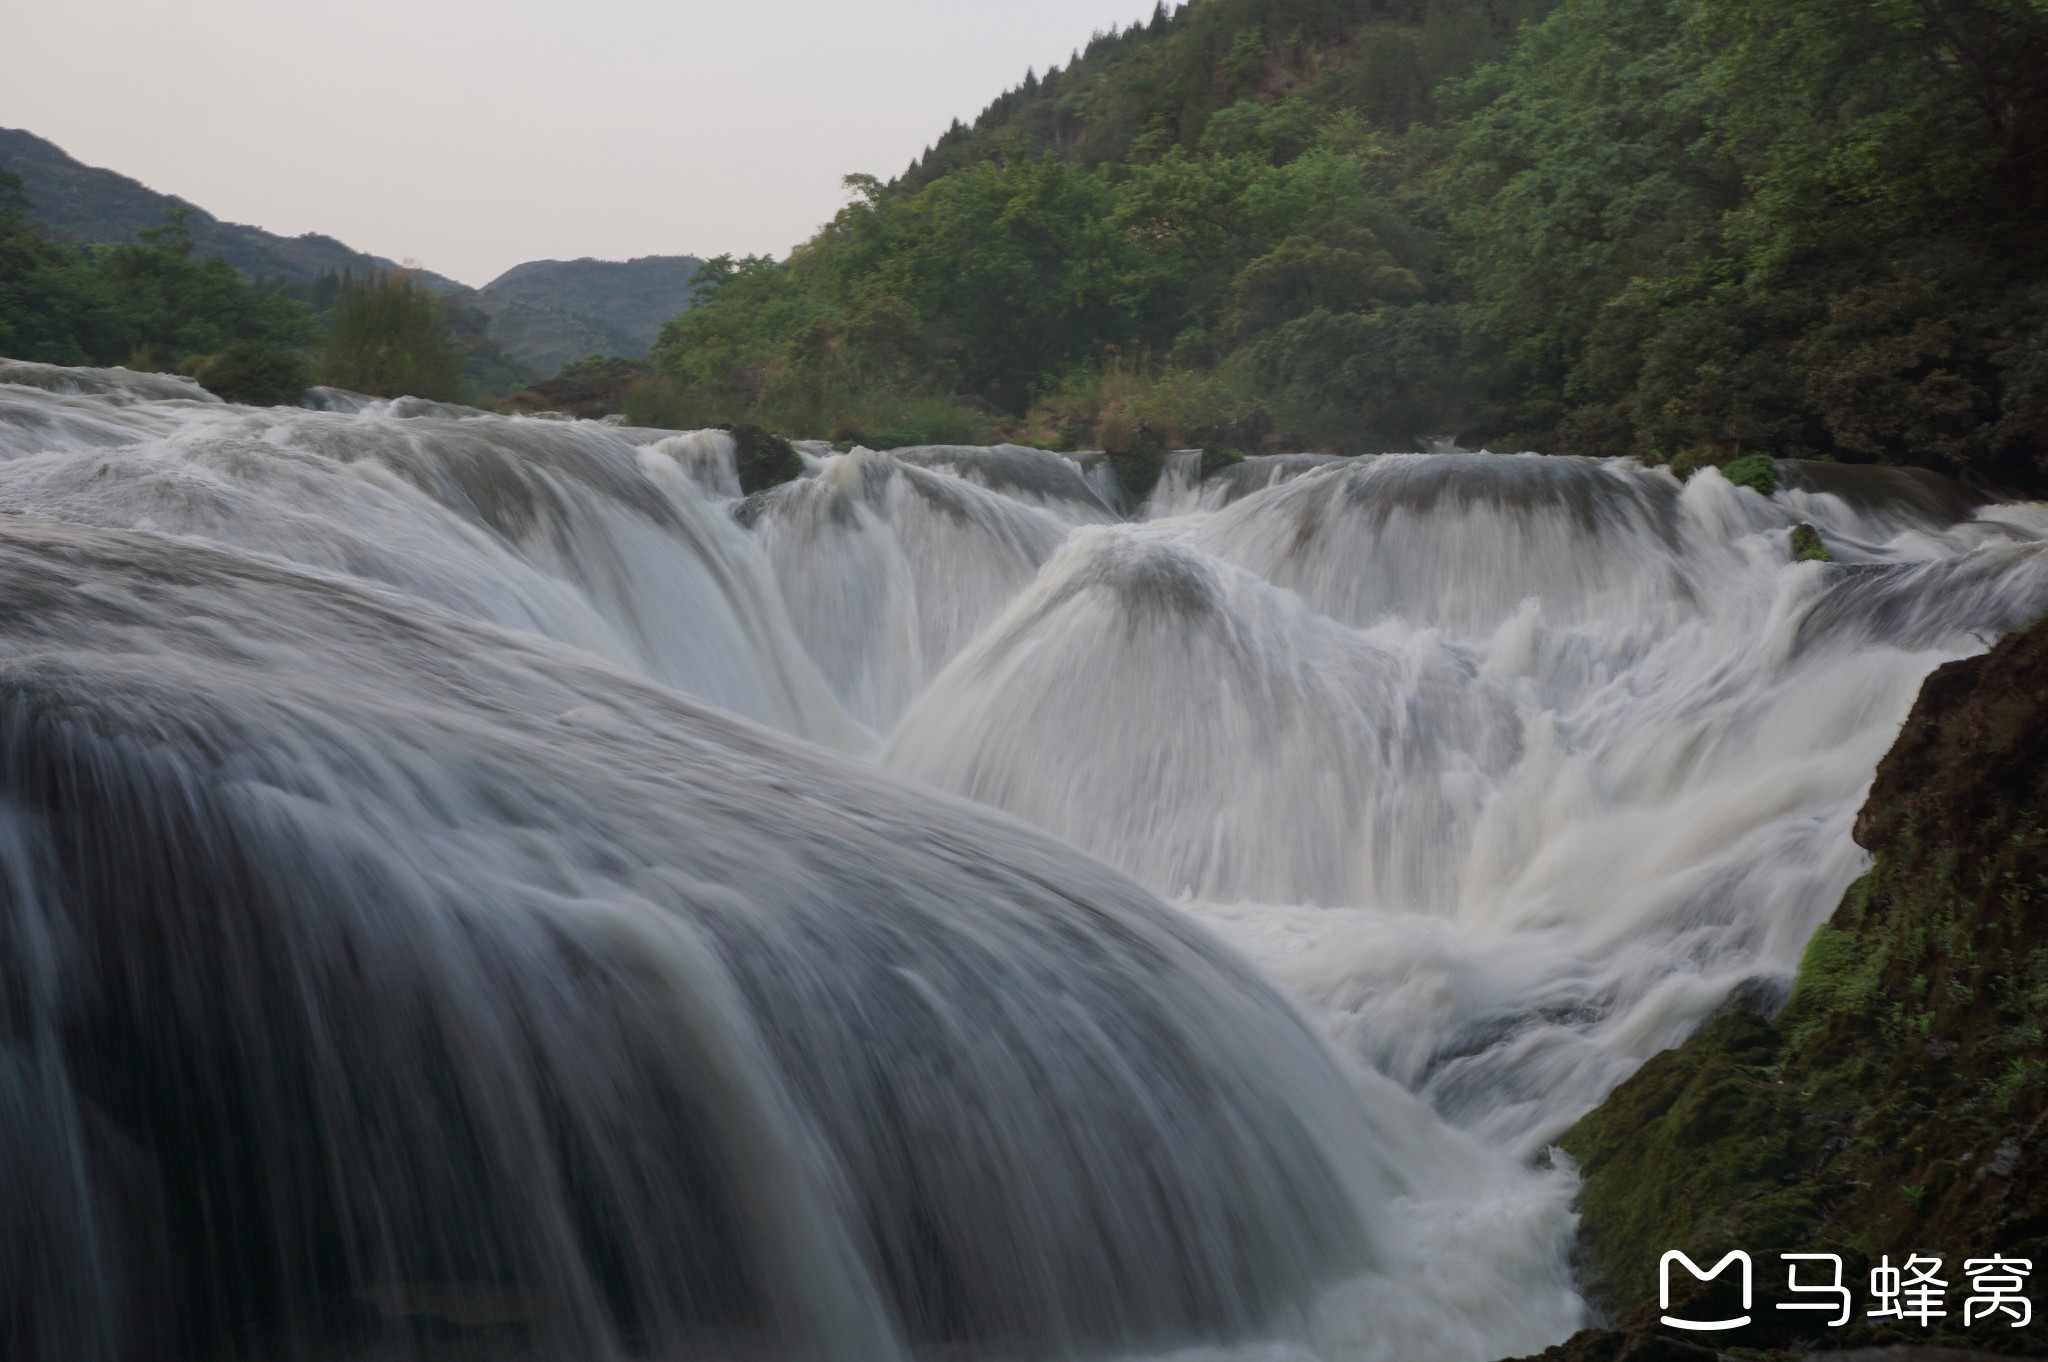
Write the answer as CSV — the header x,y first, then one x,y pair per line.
x,y
471,136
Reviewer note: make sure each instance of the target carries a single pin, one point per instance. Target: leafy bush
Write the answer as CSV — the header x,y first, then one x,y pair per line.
x,y
256,373
1757,472
1106,408
390,339
132,304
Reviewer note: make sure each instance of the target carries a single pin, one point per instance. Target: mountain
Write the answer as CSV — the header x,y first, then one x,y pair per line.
x,y
1681,230
85,204
553,312
540,315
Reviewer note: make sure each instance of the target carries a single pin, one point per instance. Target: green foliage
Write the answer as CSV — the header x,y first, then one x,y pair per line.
x,y
1841,970
1757,472
893,423
46,296
169,304
2021,1078
1667,228
1124,404
1014,279
256,373
1362,381
594,386
143,304
390,338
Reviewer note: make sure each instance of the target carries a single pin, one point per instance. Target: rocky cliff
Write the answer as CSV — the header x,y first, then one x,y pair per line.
x,y
1896,1105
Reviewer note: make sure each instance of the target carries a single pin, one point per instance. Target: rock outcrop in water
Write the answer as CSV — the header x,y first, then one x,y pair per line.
x,y
1897,1104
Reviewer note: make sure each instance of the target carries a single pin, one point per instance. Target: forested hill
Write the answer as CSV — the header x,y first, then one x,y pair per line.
x,y
1681,229
76,202
1131,94
550,312
541,315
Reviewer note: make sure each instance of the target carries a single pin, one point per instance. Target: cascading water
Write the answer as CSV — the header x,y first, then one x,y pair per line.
x,y
405,952
1516,767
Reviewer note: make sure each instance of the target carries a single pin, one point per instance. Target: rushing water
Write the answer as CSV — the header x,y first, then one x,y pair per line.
x,y
418,940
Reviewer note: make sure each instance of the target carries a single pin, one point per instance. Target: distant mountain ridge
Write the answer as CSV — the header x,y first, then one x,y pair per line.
x,y
87,205
543,314
551,312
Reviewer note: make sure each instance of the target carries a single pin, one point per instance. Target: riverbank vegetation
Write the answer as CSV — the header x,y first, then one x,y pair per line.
x,y
1671,228
387,337
148,304
156,304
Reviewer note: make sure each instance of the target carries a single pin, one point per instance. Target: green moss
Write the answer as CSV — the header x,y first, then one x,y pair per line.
x,y
1840,969
2023,1074
1808,547
1758,472
1215,459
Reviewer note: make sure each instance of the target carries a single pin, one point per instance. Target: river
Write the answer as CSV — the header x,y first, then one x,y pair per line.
x,y
479,887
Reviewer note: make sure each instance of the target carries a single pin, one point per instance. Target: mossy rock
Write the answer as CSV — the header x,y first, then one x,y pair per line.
x,y
1896,1104
1139,461
1215,459
1807,545
1757,472
763,460
1609,1345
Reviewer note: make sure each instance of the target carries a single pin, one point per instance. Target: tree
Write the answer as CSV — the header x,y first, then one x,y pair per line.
x,y
166,306
45,293
147,304
390,339
256,373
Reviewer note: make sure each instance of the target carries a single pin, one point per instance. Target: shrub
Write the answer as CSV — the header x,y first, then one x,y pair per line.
x,y
390,339
256,373
1757,472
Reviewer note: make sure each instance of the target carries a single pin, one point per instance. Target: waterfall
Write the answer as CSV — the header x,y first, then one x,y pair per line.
x,y
1516,767
480,887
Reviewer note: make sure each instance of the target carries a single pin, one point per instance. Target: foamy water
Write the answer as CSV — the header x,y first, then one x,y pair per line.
x,y
457,858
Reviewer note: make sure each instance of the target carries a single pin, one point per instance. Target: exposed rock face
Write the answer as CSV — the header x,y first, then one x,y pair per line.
x,y
1897,1105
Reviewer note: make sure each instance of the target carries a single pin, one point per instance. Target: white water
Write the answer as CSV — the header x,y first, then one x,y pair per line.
x,y
1512,770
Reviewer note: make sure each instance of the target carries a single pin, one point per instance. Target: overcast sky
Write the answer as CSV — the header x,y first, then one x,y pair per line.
x,y
471,136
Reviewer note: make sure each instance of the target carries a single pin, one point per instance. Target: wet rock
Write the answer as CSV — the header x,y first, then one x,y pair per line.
x,y
1807,545
1608,1345
763,460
